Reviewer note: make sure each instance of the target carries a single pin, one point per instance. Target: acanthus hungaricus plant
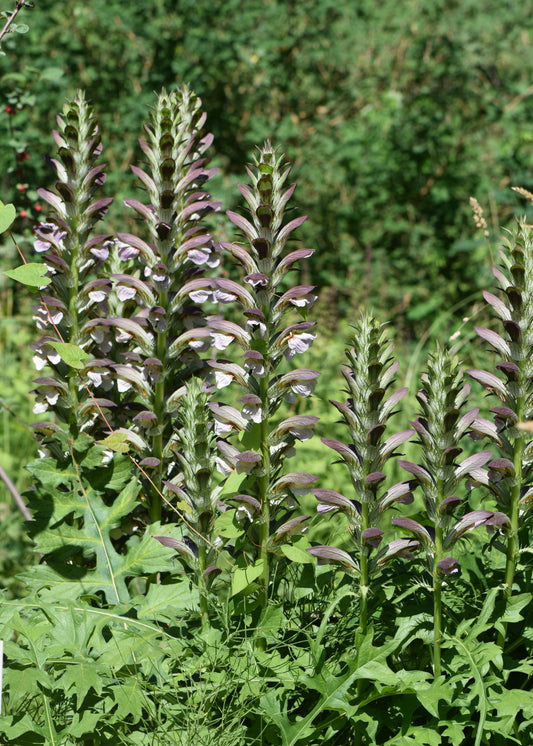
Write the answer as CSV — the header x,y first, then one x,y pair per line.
x,y
268,493
116,642
83,496
370,372
510,475
70,253
167,329
440,429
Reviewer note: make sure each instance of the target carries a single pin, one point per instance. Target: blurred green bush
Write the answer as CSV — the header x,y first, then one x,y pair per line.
x,y
393,114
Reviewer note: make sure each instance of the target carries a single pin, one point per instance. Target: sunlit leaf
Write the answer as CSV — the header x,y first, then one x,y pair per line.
x,y
31,274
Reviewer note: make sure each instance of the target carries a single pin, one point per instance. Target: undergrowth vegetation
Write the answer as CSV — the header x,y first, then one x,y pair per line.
x,y
232,542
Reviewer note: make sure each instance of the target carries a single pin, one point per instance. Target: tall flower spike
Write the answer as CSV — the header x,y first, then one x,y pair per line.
x,y
169,329
371,371
198,492
440,427
269,336
510,478
65,242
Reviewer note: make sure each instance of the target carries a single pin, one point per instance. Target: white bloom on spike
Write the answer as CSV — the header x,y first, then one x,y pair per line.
x,y
199,256
224,296
123,385
46,396
257,327
222,379
97,296
221,341
254,363
39,361
124,292
45,354
122,336
43,317
299,343
244,512
223,467
95,376
125,251
222,427
101,252
201,296
303,388
200,344
252,412
279,446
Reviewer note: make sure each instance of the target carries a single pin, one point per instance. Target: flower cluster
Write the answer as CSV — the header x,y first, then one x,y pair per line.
x,y
510,476
66,242
161,323
440,429
267,338
370,372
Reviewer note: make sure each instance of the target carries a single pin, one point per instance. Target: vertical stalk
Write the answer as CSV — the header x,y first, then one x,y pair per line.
x,y
267,339
66,239
364,587
263,486
174,146
437,579
157,439
437,603
202,566
512,538
364,580
74,291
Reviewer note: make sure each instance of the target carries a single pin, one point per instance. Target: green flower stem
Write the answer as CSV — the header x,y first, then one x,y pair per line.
x,y
437,603
364,578
205,527
364,587
202,566
437,582
74,291
263,485
157,440
514,513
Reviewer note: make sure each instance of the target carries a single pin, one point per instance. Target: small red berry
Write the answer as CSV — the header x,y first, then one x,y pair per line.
x,y
22,157
38,207
9,110
21,187
23,214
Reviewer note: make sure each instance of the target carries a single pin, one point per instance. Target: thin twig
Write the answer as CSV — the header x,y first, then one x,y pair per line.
x,y
18,7
15,494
